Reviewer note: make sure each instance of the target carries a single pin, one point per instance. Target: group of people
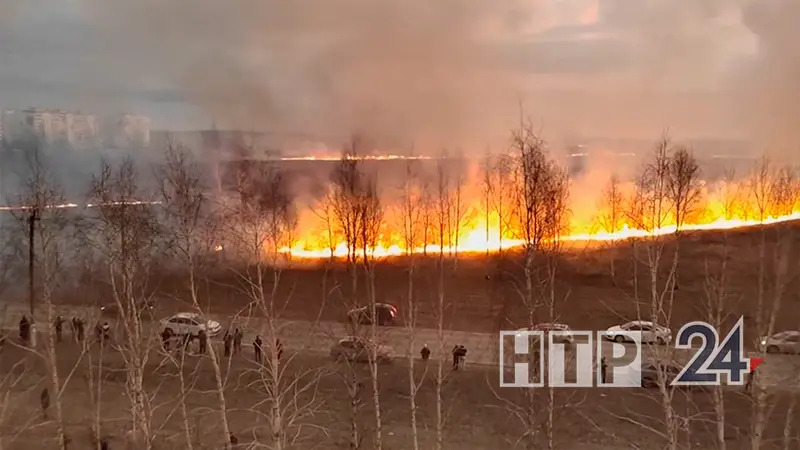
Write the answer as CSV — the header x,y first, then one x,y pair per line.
x,y
77,325
459,355
232,343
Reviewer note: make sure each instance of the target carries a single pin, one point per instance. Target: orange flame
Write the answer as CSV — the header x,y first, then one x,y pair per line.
x,y
726,207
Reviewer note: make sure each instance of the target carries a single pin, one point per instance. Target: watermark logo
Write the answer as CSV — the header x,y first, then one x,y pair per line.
x,y
714,359
556,358
569,359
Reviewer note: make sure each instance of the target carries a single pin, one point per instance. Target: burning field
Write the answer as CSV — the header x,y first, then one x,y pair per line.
x,y
479,205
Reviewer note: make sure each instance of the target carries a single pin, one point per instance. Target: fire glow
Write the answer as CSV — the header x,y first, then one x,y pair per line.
x,y
476,240
719,206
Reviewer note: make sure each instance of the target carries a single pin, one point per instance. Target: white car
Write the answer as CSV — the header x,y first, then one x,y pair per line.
x,y
651,332
191,324
564,336
783,342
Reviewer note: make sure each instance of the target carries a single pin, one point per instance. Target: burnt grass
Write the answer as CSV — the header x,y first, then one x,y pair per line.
x,y
482,291
481,296
479,415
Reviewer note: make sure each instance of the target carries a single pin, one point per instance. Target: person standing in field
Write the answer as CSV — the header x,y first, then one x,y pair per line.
x,y
603,369
425,353
238,336
24,330
462,356
44,399
227,341
58,325
202,342
258,349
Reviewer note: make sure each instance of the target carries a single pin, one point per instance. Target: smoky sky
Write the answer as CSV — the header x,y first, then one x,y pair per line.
x,y
449,72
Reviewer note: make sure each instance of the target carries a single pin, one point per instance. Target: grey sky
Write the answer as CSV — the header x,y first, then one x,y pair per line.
x,y
398,67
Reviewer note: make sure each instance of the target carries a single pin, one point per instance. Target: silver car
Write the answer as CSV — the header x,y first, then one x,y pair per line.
x,y
190,324
784,342
564,335
651,333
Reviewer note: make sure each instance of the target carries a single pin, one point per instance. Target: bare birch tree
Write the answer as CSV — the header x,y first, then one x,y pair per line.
x,y
717,304
44,224
190,223
487,190
411,215
540,216
651,207
444,222
265,221
359,216
776,268
612,216
126,235
685,195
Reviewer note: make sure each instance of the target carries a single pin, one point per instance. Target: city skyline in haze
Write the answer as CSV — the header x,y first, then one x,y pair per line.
x,y
580,67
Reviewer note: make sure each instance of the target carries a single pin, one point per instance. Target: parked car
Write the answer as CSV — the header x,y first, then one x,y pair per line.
x,y
651,332
382,314
356,349
191,324
783,342
144,306
564,337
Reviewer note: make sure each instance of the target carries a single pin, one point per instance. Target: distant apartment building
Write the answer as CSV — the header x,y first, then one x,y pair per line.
x,y
127,131
58,127
51,127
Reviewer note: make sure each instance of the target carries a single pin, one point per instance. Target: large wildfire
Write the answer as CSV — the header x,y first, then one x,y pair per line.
x,y
481,212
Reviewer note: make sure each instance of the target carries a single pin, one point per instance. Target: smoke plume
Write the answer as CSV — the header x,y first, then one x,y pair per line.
x,y
455,71
771,83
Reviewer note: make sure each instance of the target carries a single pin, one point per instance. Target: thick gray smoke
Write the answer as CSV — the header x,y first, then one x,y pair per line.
x,y
680,46
388,68
455,71
771,83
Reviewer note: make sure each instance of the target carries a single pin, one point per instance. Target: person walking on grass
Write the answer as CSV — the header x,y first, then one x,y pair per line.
x,y
603,369
238,336
425,353
257,349
279,348
24,330
106,332
748,385
165,336
462,356
202,342
227,341
80,329
44,400
73,327
58,325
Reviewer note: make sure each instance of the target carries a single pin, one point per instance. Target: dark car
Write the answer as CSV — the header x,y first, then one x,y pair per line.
x,y
382,314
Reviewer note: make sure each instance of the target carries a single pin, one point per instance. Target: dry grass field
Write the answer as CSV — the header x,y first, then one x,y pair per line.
x,y
481,291
479,415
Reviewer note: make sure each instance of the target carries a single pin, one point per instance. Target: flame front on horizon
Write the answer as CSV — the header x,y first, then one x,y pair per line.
x,y
724,206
